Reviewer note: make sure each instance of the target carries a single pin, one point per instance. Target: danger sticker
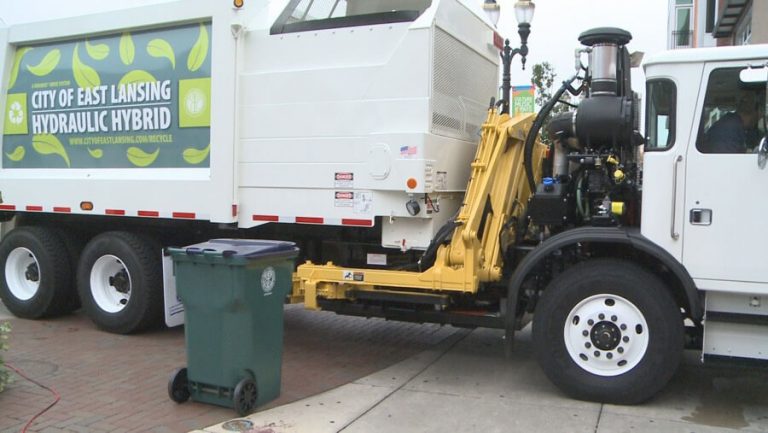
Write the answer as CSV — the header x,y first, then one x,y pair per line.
x,y
353,276
344,199
343,179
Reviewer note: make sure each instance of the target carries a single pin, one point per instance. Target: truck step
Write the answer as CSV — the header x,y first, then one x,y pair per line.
x,y
736,325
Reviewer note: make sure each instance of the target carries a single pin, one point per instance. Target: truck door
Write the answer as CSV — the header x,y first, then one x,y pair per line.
x,y
725,236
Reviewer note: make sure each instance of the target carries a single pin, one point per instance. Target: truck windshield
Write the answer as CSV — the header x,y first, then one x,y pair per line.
x,y
307,15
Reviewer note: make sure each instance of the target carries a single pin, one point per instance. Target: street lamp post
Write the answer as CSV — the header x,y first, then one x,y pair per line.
x,y
524,14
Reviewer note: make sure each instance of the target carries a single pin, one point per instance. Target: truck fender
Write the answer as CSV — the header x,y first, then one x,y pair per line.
x,y
605,235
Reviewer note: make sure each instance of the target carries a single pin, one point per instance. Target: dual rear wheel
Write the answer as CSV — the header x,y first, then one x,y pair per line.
x,y
116,277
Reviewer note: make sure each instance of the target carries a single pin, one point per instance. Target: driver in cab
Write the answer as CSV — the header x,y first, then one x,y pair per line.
x,y
736,132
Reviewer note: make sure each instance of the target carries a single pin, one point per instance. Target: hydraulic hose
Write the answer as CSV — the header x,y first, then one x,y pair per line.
x,y
537,124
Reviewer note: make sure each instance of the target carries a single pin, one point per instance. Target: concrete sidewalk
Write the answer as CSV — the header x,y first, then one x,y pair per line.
x,y
466,384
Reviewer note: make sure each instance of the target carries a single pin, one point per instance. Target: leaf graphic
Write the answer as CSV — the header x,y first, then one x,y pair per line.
x,y
98,51
47,144
199,51
137,76
140,158
47,65
196,156
96,153
161,48
16,63
127,50
85,76
17,155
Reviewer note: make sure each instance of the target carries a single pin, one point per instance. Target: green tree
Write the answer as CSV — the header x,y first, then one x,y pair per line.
x,y
543,77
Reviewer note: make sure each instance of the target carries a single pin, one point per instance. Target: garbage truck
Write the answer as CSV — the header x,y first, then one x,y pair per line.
x,y
172,123
362,138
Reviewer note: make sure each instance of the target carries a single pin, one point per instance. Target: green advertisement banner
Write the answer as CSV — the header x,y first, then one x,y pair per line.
x,y
134,99
522,99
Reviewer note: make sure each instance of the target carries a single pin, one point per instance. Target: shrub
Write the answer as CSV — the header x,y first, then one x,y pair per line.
x,y
5,375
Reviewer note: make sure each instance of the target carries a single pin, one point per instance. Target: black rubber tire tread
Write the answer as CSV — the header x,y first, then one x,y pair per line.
x,y
142,256
74,242
55,291
647,293
178,386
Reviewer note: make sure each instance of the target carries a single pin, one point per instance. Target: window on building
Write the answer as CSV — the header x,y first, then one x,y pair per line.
x,y
307,15
744,29
730,121
683,33
660,119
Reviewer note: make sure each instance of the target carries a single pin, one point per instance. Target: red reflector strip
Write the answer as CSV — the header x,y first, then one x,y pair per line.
x,y
270,218
148,213
498,41
114,211
234,210
185,215
62,209
309,220
354,222
34,208
7,207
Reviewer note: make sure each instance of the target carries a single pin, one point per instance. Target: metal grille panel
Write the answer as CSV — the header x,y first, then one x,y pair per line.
x,y
463,83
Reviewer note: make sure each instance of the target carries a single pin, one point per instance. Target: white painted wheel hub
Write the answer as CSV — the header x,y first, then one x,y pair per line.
x,y
22,273
110,283
606,335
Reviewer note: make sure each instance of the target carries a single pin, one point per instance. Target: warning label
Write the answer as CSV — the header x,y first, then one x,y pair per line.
x,y
343,179
344,199
353,276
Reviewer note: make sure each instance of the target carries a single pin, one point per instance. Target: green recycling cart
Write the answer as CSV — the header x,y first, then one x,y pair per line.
x,y
233,291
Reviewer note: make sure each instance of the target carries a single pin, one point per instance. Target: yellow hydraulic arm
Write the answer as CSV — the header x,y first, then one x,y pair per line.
x,y
497,191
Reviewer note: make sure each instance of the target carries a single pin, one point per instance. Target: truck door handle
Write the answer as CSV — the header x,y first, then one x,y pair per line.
x,y
701,217
675,235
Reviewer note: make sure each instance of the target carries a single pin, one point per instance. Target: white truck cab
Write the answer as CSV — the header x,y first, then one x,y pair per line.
x,y
702,189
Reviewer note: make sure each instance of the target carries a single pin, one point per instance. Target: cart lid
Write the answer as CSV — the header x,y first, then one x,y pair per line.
x,y
248,249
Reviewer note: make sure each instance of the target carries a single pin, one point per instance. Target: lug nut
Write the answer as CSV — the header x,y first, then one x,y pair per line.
x,y
614,318
597,353
587,345
585,333
601,316
590,322
609,355
620,350
623,327
625,339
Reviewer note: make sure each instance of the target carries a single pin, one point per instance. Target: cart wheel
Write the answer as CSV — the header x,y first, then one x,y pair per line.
x,y
178,386
246,394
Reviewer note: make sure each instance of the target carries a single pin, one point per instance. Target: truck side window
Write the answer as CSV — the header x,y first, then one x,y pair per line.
x,y
731,114
660,120
308,15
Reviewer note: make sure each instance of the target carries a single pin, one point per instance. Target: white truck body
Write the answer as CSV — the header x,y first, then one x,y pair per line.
x,y
326,131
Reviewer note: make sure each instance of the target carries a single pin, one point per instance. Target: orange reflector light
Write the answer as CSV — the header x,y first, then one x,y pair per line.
x,y
238,3
86,205
411,183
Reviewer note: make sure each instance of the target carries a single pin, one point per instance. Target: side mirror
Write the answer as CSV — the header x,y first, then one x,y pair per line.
x,y
757,74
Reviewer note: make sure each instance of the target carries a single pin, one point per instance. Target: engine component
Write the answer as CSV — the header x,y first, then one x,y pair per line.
x,y
551,204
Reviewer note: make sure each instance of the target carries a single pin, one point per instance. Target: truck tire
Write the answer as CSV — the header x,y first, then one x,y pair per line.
x,y
37,278
74,241
608,331
120,282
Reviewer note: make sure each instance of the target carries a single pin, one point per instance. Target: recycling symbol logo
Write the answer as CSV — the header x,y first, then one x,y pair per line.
x,y
195,102
16,113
